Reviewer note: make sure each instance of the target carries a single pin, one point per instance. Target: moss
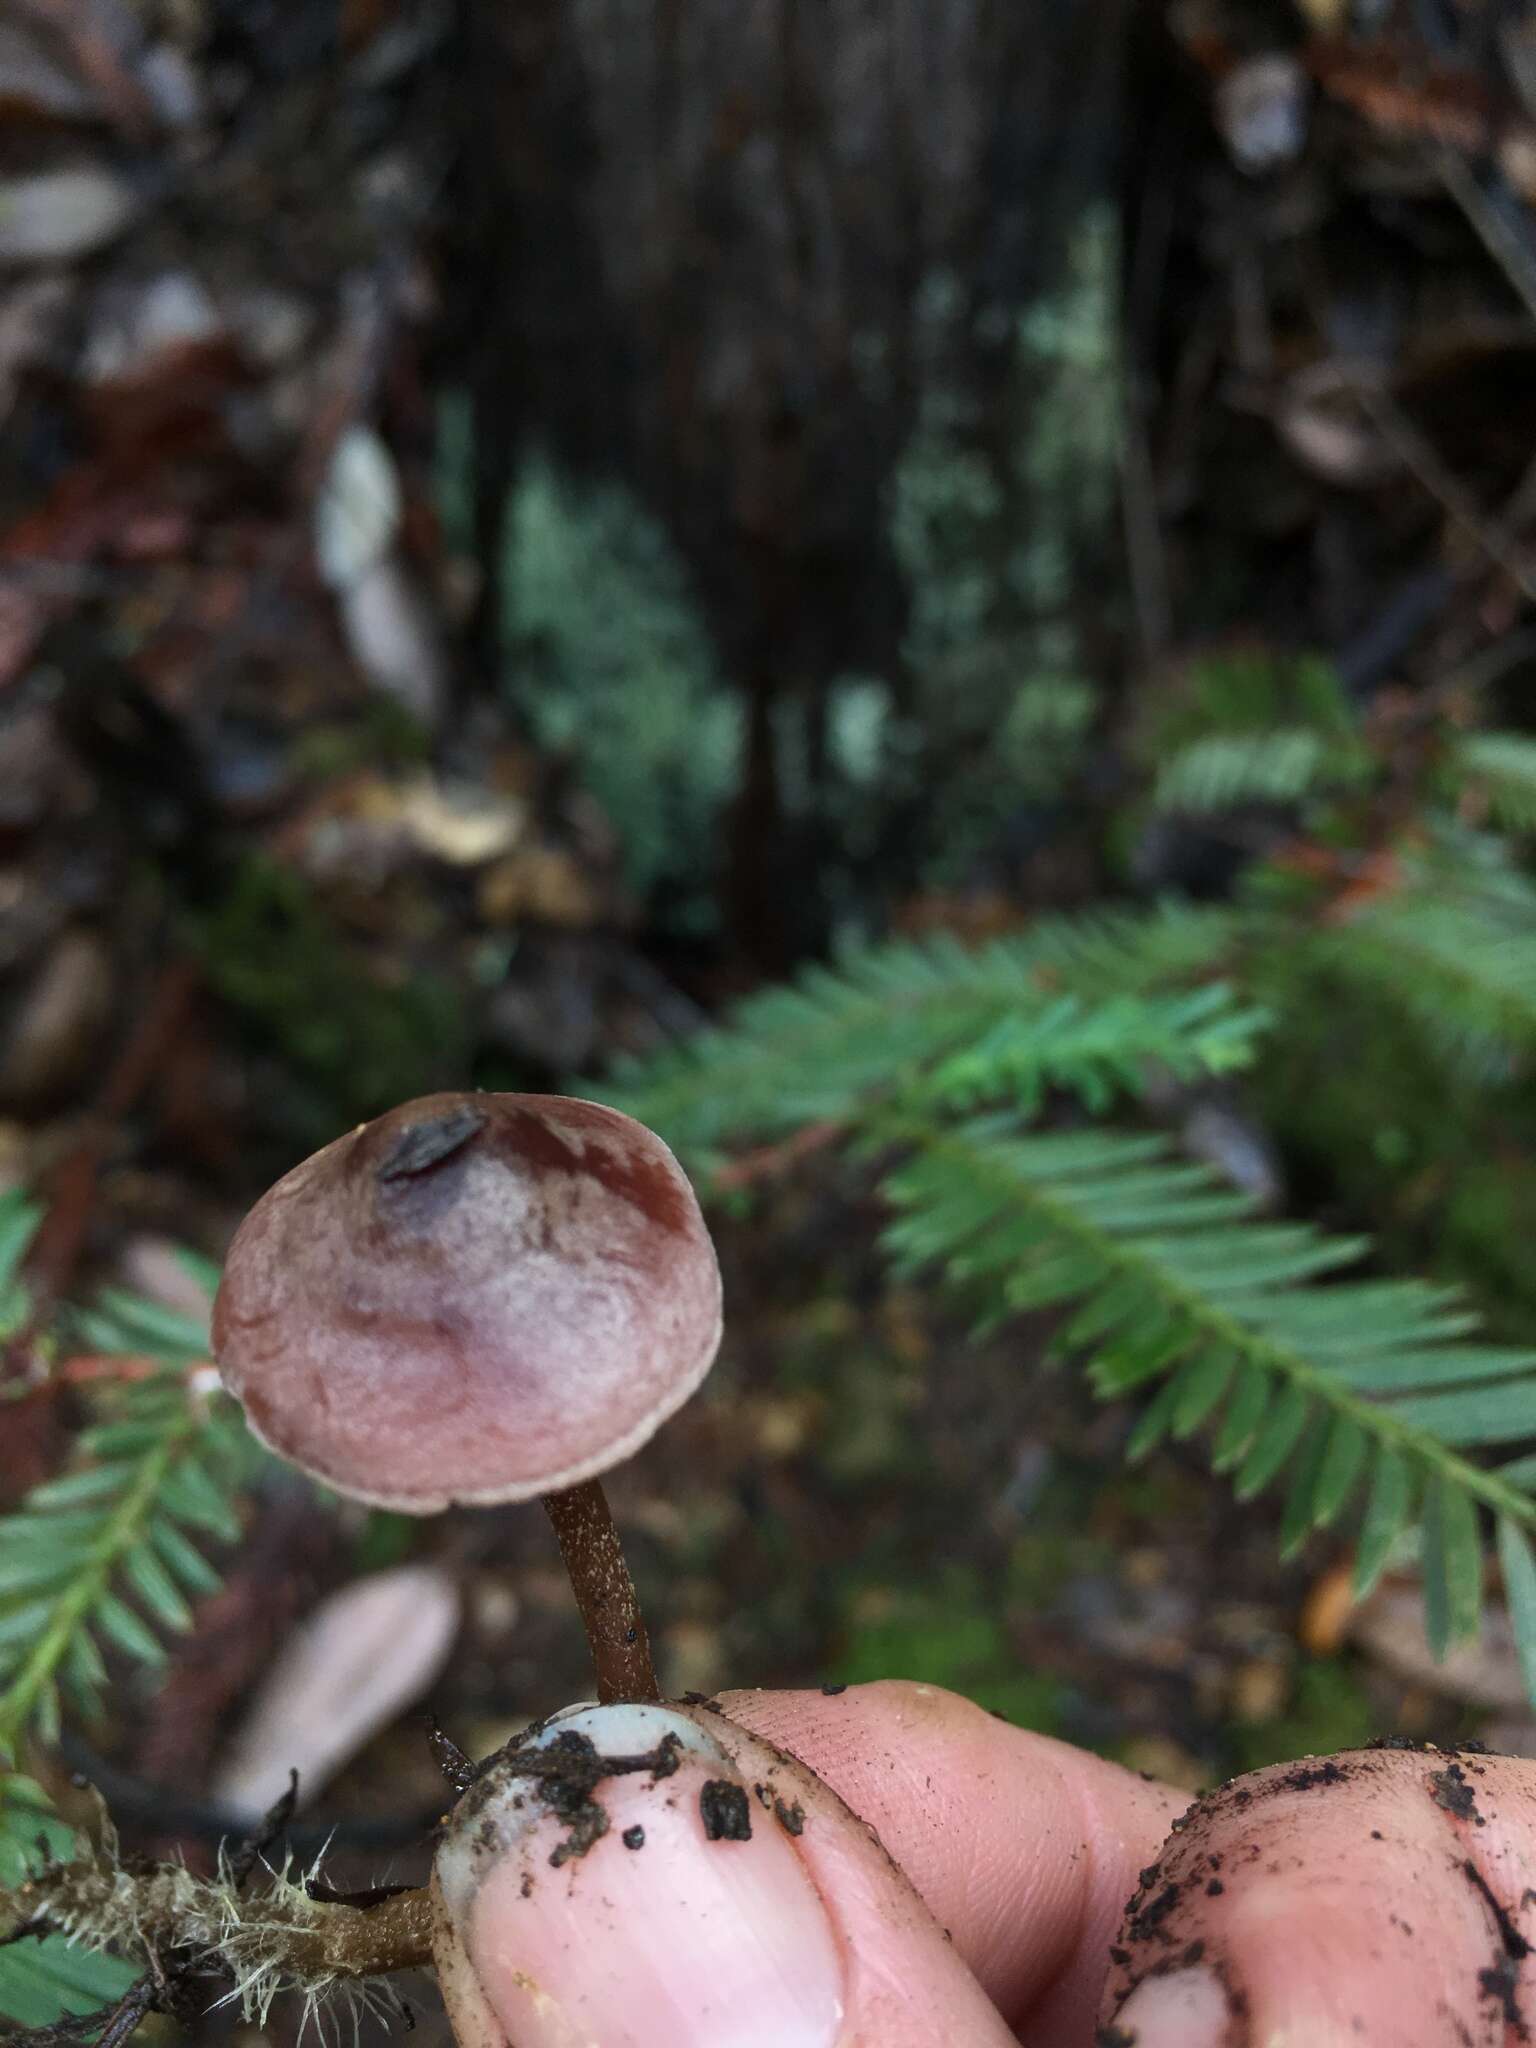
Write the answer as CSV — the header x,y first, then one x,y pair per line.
x,y
355,1043
383,734
608,660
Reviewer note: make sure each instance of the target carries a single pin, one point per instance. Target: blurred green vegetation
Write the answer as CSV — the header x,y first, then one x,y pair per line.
x,y
608,662
951,1634
347,1033
1330,1708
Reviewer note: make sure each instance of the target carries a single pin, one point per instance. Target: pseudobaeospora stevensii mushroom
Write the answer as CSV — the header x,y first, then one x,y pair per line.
x,y
476,1299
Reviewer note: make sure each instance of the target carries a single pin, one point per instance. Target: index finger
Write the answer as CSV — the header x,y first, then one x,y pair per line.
x,y
1024,1849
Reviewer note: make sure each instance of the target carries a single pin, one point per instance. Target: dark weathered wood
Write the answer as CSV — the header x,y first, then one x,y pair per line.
x,y
708,237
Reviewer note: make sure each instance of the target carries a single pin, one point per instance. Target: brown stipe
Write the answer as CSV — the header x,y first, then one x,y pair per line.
x,y
605,1593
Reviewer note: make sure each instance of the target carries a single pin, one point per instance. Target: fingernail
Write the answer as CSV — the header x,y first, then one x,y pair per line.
x,y
1186,2009
586,1908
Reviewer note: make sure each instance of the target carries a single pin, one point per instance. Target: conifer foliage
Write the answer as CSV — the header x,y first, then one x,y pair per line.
x,y
102,1563
984,1084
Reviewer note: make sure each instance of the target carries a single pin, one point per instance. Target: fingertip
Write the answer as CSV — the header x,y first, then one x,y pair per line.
x,y
655,1877
1023,1847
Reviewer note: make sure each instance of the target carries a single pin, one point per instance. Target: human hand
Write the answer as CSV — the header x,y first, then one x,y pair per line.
x,y
919,1873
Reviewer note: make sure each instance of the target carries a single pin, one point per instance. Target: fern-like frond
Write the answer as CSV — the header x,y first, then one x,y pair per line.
x,y
891,1014
1225,770
112,1550
130,1325
1097,1051
1500,769
1455,948
41,1979
107,1557
19,1219
1350,1391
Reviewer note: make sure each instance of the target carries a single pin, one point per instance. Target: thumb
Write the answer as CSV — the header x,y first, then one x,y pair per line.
x,y
656,1877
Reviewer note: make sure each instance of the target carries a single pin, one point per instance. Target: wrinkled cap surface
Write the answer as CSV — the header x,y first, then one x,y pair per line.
x,y
474,1298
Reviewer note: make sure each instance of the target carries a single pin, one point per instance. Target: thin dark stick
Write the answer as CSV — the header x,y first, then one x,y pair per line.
x,y
605,1593
116,2022
256,1845
455,1766
136,2004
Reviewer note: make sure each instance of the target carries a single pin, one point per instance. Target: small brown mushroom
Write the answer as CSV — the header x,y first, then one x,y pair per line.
x,y
479,1298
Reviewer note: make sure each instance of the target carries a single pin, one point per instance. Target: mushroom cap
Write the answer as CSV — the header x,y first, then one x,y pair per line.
x,y
474,1298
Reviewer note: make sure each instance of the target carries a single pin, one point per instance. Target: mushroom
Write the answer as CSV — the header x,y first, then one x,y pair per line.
x,y
475,1299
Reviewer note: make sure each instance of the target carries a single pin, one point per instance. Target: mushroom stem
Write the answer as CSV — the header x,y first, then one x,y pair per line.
x,y
605,1592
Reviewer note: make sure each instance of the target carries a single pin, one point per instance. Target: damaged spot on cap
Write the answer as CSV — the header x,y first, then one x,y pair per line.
x,y
421,1146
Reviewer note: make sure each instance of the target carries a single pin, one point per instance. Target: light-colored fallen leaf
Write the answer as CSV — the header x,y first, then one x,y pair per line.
x,y
137,325
542,883
156,1268
1328,17
1258,1692
1326,1613
393,638
1390,1628
59,1020
1261,110
171,85
1512,1735
59,215
1324,418
32,78
357,513
363,1656
460,824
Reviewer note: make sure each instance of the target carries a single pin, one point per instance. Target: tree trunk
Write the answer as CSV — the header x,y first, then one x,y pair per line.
x,y
710,238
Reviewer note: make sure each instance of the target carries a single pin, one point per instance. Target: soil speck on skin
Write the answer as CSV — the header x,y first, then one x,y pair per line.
x,y
633,1838
831,1692
563,1776
1113,2037
1147,1921
1501,1980
1514,1942
725,1811
1215,1888
790,1817
526,1887
1307,1777
1449,1788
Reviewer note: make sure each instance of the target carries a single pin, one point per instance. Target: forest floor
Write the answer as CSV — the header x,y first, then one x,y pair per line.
x,y
273,855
